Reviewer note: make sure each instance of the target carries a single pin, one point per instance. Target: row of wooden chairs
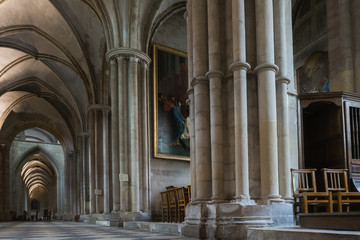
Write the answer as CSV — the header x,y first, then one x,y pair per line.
x,y
336,192
173,203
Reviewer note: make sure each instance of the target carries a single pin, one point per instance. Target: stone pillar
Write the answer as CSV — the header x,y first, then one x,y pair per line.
x,y
190,102
202,103
114,82
341,69
215,77
85,167
266,70
145,136
132,151
92,166
239,68
282,82
106,160
133,132
123,134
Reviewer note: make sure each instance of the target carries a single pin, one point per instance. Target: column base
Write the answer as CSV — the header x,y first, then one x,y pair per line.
x,y
232,220
243,200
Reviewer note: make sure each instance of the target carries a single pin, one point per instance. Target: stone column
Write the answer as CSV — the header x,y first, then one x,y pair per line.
x,y
106,160
114,82
239,68
202,103
130,124
190,102
85,168
133,132
339,35
215,77
282,82
123,138
92,166
145,136
266,70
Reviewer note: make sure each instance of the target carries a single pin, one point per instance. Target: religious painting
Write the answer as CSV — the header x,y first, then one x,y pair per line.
x,y
313,76
171,113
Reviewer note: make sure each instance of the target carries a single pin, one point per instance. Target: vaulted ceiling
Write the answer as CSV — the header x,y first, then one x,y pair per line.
x,y
52,59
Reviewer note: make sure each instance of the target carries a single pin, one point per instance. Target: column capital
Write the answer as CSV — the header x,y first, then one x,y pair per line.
x,y
134,59
99,107
112,61
239,65
190,91
121,58
283,79
214,74
199,80
84,134
129,52
266,67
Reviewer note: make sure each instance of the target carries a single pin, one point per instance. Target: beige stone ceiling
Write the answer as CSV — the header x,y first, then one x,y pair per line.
x,y
52,59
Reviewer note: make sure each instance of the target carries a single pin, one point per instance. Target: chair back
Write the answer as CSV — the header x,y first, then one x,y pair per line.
x,y
303,180
164,199
180,194
335,180
189,193
172,197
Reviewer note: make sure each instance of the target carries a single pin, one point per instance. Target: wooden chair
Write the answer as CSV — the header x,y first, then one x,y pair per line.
x,y
181,203
305,192
189,193
336,181
173,208
165,212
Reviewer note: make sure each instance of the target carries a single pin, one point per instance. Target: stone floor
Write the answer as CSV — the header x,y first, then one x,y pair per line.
x,y
73,230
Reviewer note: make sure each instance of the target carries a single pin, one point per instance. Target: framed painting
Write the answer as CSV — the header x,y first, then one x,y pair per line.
x,y
171,113
313,76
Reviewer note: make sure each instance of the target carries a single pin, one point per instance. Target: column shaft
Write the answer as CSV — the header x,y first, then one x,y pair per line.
x,y
202,102
239,68
267,100
191,99
282,81
92,163
134,134
123,134
215,77
106,163
146,138
114,82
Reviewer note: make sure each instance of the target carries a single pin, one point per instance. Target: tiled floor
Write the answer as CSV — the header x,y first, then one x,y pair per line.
x,y
73,230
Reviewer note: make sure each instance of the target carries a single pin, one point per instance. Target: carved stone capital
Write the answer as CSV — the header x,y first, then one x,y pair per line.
x,y
129,52
239,65
214,74
283,79
199,80
266,67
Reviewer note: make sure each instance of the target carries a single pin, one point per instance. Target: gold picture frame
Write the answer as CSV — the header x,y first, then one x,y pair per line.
x,y
171,122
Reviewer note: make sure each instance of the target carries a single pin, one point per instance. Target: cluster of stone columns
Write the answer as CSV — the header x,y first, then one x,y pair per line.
x,y
206,80
129,127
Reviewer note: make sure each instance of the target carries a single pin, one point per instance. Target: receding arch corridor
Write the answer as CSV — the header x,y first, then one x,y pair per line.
x,y
73,230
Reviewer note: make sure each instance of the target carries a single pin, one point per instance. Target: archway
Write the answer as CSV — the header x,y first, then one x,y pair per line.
x,y
37,182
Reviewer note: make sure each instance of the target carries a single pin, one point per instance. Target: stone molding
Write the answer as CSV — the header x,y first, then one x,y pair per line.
x,y
283,79
84,134
266,67
214,74
239,65
129,52
199,80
